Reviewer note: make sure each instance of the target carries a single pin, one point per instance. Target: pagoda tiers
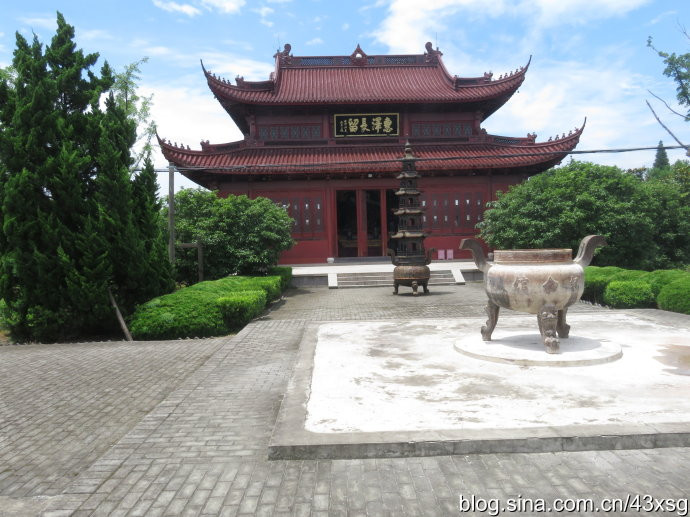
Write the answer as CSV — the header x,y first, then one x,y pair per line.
x,y
323,136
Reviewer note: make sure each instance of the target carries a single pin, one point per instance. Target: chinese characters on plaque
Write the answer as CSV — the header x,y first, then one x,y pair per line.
x,y
369,124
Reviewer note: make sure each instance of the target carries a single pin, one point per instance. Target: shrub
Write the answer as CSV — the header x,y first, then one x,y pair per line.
x,y
661,277
596,280
629,274
675,296
646,224
210,308
184,313
628,294
285,274
240,307
240,235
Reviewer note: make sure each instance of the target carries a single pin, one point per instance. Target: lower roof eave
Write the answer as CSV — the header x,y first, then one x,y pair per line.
x,y
213,179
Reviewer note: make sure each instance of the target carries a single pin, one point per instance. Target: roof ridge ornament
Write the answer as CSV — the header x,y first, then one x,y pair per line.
x,y
431,55
284,56
358,56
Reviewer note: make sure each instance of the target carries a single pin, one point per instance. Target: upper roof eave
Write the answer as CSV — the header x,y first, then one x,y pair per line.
x,y
389,79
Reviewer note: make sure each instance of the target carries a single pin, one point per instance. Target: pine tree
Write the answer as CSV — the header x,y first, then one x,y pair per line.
x,y
661,159
147,215
68,223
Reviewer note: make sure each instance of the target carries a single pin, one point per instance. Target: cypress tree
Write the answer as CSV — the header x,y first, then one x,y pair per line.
x,y
68,229
158,271
661,158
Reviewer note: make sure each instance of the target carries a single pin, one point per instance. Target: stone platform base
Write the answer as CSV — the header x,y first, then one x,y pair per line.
x,y
528,350
400,388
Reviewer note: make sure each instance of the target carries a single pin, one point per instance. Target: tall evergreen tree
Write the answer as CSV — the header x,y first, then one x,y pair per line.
x,y
661,158
67,230
158,272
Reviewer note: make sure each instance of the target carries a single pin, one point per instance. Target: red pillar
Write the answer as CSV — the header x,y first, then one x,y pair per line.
x,y
384,222
361,201
331,221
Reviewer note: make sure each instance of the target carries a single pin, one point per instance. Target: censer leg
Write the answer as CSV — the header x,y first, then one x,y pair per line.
x,y
492,312
414,288
547,318
562,327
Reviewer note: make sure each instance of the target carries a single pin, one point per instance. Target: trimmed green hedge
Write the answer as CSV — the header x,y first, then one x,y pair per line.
x,y
285,274
675,296
240,307
658,279
628,294
621,288
596,280
212,308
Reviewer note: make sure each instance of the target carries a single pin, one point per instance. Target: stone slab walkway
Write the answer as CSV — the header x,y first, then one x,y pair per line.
x,y
182,428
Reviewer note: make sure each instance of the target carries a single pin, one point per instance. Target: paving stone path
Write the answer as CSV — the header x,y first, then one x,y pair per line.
x,y
181,428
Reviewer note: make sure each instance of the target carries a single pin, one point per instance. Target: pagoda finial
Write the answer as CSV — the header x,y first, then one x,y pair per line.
x,y
408,151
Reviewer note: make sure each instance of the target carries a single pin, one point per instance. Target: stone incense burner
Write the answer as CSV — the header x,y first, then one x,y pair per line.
x,y
544,282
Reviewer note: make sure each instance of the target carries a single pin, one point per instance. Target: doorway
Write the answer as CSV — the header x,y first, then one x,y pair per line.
x,y
373,214
346,201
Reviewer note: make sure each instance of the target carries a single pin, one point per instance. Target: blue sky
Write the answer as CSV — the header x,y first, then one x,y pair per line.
x,y
589,57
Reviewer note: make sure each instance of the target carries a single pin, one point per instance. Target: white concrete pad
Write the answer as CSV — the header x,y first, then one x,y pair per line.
x,y
391,376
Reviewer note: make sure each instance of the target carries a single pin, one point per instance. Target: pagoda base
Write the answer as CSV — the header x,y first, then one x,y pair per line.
x,y
412,276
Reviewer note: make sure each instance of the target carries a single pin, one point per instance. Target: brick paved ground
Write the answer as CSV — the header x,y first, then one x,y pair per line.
x,y
192,434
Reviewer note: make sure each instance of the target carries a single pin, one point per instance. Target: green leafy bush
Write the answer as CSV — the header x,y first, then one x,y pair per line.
x,y
211,308
184,313
240,307
285,274
646,224
240,235
596,280
675,296
661,277
628,294
629,274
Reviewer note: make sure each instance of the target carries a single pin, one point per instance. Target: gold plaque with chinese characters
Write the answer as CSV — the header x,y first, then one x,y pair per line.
x,y
365,124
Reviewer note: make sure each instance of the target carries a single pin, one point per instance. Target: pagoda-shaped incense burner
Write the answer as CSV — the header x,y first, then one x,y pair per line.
x,y
409,257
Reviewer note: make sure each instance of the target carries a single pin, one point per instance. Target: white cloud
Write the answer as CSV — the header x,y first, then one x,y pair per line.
x,y
43,22
410,23
94,34
174,7
557,96
223,6
345,26
278,1
315,41
575,12
264,11
660,17
187,116
230,65
158,51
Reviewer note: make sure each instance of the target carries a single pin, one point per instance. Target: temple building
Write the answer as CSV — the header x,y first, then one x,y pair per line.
x,y
324,136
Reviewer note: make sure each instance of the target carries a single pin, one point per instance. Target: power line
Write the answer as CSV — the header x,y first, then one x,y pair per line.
x,y
435,159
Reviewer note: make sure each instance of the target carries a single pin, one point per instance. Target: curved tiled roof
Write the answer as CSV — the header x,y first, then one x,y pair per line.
x,y
489,152
364,80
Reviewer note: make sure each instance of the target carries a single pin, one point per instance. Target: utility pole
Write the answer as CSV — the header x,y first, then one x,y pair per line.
x,y
171,213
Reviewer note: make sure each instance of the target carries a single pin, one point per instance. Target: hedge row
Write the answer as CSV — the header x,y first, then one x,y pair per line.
x,y
212,308
667,289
